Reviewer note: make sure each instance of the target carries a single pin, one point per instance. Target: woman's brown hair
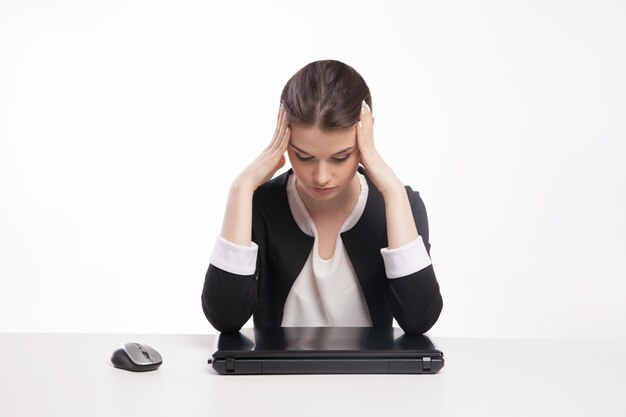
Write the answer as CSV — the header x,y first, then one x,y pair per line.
x,y
325,94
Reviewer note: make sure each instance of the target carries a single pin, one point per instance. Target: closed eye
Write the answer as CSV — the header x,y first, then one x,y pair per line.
x,y
341,159
338,160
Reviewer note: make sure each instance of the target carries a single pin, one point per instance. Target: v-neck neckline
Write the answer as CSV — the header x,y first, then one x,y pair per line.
x,y
305,221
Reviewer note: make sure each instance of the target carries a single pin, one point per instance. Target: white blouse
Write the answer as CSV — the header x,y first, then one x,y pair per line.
x,y
326,292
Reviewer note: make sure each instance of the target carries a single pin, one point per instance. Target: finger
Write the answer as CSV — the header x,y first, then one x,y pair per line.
x,y
366,112
279,121
279,142
362,137
359,134
367,120
284,140
277,132
279,164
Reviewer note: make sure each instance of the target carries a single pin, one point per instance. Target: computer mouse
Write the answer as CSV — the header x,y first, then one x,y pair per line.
x,y
136,357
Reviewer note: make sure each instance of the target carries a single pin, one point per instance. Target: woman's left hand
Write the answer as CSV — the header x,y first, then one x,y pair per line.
x,y
379,172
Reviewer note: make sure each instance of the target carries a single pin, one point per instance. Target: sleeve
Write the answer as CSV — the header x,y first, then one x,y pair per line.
x,y
415,299
406,259
229,295
233,258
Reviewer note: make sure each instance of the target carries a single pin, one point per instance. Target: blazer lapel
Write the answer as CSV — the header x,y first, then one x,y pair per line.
x,y
288,246
363,243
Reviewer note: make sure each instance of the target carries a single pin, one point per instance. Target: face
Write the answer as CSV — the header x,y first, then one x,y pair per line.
x,y
323,163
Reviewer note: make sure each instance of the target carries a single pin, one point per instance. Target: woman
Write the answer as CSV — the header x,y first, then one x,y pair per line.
x,y
329,242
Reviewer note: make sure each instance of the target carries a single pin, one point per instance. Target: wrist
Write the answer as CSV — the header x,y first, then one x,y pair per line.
x,y
393,191
242,185
382,175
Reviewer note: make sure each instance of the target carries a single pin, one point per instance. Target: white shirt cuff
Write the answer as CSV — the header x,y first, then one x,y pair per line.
x,y
233,258
405,260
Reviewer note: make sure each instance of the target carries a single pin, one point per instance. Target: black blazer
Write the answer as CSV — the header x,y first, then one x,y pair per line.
x,y
228,300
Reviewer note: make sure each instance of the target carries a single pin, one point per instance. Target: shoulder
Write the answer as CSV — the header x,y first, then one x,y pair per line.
x,y
419,214
414,195
273,187
415,198
277,182
270,199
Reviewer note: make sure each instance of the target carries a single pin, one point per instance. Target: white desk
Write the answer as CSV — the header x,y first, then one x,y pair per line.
x,y
71,375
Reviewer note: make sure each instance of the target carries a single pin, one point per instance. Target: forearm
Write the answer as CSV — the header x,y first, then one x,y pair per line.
x,y
416,301
228,300
229,294
237,224
401,228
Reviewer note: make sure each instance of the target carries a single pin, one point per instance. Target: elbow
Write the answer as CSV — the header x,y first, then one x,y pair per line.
x,y
228,300
221,321
418,325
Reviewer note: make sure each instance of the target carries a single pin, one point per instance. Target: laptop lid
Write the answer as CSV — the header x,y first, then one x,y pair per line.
x,y
324,350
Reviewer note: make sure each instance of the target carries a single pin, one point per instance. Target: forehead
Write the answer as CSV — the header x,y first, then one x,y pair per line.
x,y
314,141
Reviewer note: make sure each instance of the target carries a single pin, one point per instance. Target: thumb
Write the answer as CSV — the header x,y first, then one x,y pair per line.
x,y
280,163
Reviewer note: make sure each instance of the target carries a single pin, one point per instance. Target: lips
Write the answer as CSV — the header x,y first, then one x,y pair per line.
x,y
323,190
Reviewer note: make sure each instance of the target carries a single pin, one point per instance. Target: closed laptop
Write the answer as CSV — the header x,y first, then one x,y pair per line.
x,y
324,350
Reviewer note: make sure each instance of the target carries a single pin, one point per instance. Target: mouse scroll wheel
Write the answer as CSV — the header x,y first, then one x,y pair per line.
x,y
144,353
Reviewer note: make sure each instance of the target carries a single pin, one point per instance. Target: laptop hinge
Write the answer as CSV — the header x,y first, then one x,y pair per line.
x,y
230,365
426,364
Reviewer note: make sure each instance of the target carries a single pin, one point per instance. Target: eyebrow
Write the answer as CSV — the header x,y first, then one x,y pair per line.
x,y
336,153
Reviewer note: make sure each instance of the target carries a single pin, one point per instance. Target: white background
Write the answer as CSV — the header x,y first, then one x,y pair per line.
x,y
123,123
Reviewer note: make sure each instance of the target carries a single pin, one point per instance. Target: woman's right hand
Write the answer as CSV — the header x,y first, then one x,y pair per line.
x,y
263,168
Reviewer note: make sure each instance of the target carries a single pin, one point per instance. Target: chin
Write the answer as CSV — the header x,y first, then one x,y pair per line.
x,y
326,195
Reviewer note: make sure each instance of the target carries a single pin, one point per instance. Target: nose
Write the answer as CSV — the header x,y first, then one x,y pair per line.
x,y
321,175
